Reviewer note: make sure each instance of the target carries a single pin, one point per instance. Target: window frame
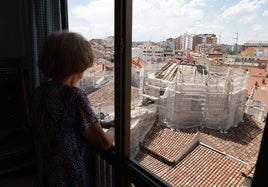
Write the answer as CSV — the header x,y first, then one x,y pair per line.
x,y
126,170
132,170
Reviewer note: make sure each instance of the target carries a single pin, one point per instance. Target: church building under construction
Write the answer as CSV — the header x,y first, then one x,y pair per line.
x,y
187,96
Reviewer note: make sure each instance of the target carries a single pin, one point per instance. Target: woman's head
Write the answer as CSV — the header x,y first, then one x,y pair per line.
x,y
65,54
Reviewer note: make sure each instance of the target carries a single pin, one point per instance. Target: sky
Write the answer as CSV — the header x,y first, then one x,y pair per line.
x,y
231,21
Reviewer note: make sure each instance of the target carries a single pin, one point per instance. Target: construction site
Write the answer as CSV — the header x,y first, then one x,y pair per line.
x,y
188,96
184,95
181,111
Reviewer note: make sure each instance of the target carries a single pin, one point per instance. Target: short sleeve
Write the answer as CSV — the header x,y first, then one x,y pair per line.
x,y
84,114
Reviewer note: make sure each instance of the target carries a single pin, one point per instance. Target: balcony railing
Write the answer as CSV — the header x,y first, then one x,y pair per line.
x,y
104,169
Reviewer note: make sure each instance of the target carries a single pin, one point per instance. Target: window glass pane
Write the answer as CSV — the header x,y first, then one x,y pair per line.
x,y
199,92
95,21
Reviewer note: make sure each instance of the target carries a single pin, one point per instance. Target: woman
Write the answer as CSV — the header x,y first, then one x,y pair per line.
x,y
66,130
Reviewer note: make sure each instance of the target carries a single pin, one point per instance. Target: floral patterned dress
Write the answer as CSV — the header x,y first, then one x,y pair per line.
x,y
59,114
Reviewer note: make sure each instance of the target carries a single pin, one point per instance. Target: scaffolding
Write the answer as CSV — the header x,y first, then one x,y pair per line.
x,y
189,96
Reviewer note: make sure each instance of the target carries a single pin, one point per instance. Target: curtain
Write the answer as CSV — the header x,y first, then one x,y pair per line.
x,y
45,18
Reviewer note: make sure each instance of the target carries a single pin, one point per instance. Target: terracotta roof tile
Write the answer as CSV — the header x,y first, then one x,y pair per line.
x,y
153,164
223,159
166,143
201,167
105,96
241,142
138,62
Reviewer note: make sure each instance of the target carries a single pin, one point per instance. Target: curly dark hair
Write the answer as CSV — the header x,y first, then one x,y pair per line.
x,y
65,53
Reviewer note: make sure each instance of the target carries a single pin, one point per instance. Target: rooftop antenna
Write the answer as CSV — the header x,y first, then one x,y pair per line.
x,y
219,39
235,45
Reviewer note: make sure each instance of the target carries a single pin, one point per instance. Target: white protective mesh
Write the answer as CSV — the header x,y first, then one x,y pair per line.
x,y
189,97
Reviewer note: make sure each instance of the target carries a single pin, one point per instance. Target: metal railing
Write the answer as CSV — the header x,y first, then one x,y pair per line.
x,y
105,169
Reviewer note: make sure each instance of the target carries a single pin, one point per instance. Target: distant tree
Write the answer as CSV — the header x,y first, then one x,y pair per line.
x,y
229,52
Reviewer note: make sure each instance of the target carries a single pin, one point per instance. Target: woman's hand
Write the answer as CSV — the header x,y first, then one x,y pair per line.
x,y
107,124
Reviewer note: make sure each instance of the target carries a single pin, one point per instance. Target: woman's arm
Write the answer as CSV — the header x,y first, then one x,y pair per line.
x,y
98,138
93,131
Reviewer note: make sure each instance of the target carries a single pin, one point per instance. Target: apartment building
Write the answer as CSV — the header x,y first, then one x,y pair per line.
x,y
259,49
150,49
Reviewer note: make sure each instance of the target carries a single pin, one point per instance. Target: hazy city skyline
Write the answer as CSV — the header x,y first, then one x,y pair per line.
x,y
158,20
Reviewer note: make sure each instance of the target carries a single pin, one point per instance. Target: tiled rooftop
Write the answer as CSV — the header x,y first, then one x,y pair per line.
x,y
105,96
137,62
166,143
201,167
205,167
215,159
242,142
